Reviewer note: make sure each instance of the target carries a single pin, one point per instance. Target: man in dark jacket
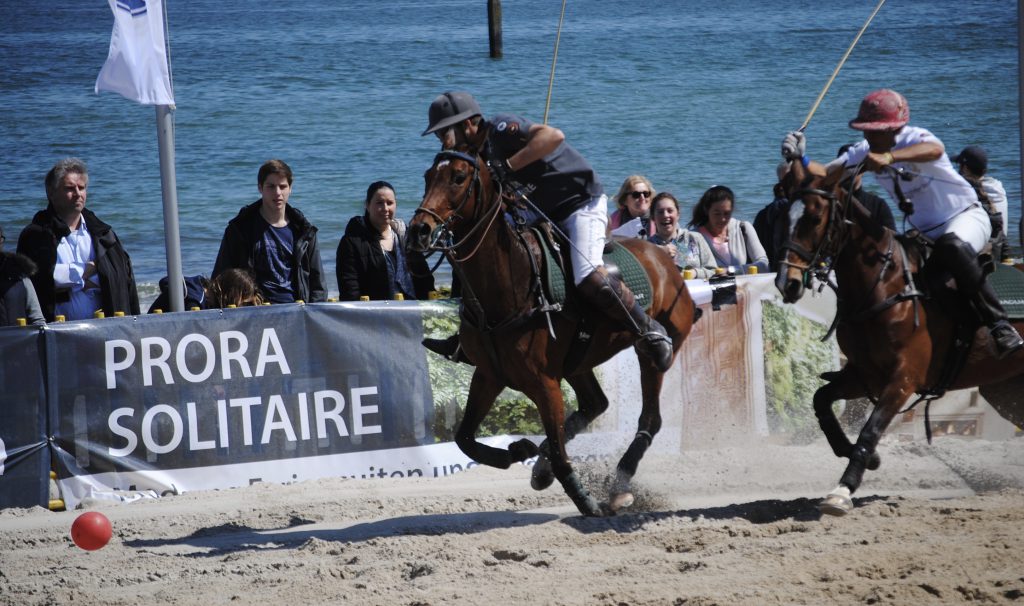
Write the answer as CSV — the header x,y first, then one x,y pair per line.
x,y
82,266
275,241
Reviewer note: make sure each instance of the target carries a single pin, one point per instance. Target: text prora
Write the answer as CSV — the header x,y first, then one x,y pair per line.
x,y
162,427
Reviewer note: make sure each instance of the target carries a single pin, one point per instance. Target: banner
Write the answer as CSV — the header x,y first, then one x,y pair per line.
x,y
137,66
229,391
24,458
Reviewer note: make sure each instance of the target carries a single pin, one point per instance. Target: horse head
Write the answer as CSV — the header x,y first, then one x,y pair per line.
x,y
817,229
454,206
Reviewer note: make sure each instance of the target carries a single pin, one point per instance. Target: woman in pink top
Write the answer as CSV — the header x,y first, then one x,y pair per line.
x,y
734,242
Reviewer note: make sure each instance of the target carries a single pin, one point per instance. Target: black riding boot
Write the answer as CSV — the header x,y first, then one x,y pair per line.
x,y
448,348
615,300
959,258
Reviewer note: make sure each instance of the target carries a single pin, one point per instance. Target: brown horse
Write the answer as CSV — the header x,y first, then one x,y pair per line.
x,y
895,340
510,340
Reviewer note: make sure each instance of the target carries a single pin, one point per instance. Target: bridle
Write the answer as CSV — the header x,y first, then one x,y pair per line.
x,y
442,237
818,262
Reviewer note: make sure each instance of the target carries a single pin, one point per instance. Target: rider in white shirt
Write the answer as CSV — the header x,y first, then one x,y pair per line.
x,y
943,205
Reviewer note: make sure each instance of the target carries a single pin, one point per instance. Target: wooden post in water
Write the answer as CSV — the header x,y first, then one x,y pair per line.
x,y
494,27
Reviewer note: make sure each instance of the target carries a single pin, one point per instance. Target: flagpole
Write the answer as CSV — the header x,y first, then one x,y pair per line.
x,y
169,186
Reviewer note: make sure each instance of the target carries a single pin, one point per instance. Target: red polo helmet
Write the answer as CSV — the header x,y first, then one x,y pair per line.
x,y
883,109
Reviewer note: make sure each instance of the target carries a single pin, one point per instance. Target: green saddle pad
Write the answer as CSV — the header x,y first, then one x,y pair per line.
x,y
1008,282
630,270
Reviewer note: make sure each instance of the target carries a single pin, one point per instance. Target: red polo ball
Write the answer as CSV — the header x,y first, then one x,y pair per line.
x,y
91,530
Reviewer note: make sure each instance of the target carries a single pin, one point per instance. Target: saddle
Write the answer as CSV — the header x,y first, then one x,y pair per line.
x,y
618,261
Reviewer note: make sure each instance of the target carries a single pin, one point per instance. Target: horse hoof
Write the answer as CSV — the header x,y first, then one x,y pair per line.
x,y
874,461
542,476
521,450
837,503
619,501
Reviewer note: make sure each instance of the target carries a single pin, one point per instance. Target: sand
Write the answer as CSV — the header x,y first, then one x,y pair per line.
x,y
938,524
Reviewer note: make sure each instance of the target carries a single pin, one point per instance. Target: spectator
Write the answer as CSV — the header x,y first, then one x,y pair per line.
x,y
936,199
688,249
17,295
275,242
733,242
231,287
972,163
372,260
82,265
772,222
634,202
876,206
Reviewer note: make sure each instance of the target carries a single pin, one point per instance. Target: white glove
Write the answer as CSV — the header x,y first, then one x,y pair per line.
x,y
794,145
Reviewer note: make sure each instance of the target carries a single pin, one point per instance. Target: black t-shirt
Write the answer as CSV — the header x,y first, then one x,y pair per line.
x,y
558,183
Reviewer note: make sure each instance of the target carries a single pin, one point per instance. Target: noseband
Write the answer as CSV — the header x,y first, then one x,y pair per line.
x,y
820,260
443,236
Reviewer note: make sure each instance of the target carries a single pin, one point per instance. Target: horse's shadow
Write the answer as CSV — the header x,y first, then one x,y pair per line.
x,y
756,512
227,538
223,539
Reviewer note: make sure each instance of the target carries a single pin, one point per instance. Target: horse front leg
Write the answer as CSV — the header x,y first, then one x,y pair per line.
x,y
483,391
546,393
862,455
649,424
842,384
591,403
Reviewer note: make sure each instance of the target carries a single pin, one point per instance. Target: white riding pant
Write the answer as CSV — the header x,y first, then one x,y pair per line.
x,y
972,226
586,229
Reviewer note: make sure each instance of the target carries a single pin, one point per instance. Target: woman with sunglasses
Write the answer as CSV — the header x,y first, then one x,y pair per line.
x,y
634,202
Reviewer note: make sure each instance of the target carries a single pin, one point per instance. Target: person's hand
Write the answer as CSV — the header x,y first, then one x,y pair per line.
x,y
90,276
500,170
671,250
794,145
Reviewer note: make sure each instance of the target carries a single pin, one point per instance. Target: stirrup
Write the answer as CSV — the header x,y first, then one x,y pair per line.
x,y
1006,339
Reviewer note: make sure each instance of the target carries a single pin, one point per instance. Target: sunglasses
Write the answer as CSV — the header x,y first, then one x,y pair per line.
x,y
636,194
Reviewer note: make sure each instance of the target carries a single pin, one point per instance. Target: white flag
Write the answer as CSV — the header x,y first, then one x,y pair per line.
x,y
136,66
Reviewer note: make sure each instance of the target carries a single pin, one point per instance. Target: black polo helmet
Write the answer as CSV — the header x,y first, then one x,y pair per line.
x,y
451,108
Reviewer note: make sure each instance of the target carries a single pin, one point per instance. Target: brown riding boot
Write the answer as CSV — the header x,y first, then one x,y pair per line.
x,y
613,298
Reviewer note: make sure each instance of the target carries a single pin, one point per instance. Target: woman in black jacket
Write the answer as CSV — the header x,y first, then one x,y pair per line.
x,y
371,258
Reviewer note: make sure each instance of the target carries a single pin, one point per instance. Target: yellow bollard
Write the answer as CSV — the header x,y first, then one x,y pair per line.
x,y
719,271
118,314
195,309
300,301
399,296
364,298
689,274
158,311
99,314
22,322
752,270
231,306
332,299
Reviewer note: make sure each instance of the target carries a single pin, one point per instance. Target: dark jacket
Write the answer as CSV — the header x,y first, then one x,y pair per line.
x,y
38,241
194,291
362,270
239,247
17,295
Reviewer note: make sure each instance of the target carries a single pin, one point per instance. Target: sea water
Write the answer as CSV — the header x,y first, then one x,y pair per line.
x,y
690,94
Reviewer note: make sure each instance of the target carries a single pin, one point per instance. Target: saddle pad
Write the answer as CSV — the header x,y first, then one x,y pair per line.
x,y
1008,282
630,270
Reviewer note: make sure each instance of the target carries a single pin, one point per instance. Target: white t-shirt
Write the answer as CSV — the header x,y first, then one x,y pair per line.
x,y
936,190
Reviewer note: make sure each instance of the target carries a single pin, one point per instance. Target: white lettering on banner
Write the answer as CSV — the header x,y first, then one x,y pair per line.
x,y
162,428
155,352
359,411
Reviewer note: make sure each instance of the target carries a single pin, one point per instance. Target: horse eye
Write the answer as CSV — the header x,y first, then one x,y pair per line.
x,y
459,178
